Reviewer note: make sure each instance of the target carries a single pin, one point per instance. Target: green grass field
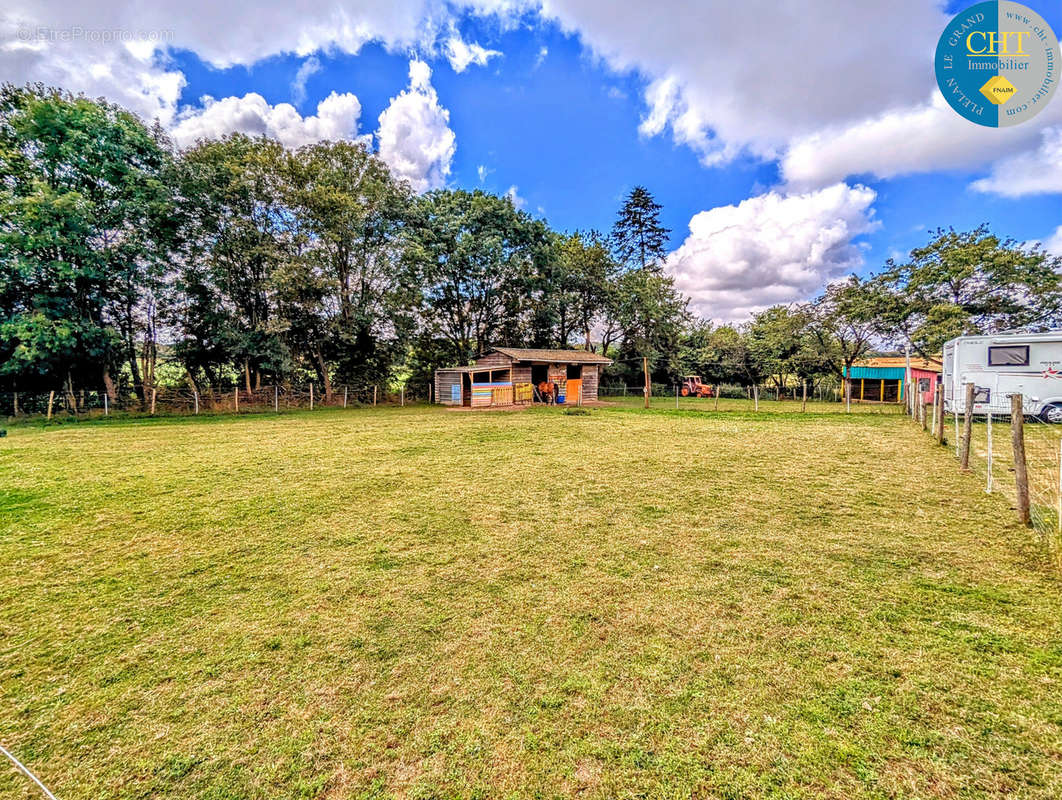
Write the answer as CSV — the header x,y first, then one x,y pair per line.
x,y
430,604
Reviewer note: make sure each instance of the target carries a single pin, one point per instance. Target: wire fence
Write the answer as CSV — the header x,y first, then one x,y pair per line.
x,y
1016,455
167,400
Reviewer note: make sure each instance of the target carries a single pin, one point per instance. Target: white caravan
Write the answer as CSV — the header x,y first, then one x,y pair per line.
x,y
1002,365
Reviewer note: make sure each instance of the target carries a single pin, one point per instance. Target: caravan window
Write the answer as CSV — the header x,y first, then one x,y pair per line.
x,y
1014,355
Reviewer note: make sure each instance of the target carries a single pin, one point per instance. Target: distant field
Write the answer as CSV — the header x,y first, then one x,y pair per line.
x,y
420,603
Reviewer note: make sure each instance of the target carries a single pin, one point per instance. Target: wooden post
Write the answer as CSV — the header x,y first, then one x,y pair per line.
x,y
846,387
237,396
717,397
344,397
153,390
676,397
1021,474
402,396
51,399
648,387
756,396
374,388
106,405
923,418
938,406
804,396
967,427
195,395
276,398
311,396
988,455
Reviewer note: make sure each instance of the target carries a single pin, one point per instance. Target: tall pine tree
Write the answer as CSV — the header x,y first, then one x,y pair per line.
x,y
638,237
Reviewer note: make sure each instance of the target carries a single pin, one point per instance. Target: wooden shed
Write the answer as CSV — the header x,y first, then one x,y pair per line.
x,y
882,379
510,375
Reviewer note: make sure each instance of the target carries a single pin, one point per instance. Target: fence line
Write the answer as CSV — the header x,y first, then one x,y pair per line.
x,y
1022,460
186,400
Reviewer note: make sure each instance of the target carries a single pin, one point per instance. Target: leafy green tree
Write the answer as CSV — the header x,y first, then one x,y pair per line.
x,y
968,282
652,316
233,234
587,289
846,320
85,231
347,301
476,258
780,340
638,237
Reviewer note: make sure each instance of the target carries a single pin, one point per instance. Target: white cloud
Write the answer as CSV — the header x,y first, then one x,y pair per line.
x,y
518,202
772,248
543,51
1033,172
309,67
1053,243
482,172
461,53
927,137
414,137
336,118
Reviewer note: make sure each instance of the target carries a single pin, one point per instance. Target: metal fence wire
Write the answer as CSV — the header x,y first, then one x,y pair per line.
x,y
992,456
186,400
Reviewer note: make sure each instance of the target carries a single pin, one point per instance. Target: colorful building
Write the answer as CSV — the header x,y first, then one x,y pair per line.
x,y
515,376
882,379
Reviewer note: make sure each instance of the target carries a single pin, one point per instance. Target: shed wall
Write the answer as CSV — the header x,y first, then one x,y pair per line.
x,y
443,383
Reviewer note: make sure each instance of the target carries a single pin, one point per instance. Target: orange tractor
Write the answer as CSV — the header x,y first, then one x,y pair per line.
x,y
691,385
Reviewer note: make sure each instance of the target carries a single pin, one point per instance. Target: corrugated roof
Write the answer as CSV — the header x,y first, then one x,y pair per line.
x,y
556,356
931,364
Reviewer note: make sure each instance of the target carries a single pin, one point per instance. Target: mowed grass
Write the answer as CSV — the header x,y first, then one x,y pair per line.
x,y
421,603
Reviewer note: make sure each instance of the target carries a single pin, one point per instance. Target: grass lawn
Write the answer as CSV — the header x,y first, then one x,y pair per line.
x,y
421,603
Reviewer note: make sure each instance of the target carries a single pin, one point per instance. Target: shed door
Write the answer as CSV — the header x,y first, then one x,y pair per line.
x,y
574,388
455,394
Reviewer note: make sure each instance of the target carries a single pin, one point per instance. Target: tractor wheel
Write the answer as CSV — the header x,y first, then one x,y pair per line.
x,y
685,391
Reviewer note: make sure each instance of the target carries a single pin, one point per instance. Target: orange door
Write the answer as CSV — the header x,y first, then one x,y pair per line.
x,y
575,388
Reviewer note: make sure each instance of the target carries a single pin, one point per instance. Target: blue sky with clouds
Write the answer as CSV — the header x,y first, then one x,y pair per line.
x,y
787,145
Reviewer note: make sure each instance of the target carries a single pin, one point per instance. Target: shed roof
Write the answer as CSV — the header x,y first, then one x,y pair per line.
x,y
555,356
929,364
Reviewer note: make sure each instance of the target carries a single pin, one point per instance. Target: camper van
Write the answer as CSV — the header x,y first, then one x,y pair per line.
x,y
1002,365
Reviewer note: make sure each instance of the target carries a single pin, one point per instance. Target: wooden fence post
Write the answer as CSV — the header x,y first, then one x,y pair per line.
x,y
648,386
344,397
756,397
402,396
923,418
804,396
967,427
1021,473
153,393
717,397
237,396
276,399
374,388
106,405
938,410
195,395
311,396
51,399
988,434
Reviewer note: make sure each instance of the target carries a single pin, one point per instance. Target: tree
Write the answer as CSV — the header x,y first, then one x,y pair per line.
x,y
476,258
85,230
233,238
778,340
968,283
589,277
345,299
637,235
845,322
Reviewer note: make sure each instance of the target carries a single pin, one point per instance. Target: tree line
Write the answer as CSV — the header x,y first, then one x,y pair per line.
x,y
126,263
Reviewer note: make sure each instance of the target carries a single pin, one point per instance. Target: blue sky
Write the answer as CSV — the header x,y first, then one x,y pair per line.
x,y
764,144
